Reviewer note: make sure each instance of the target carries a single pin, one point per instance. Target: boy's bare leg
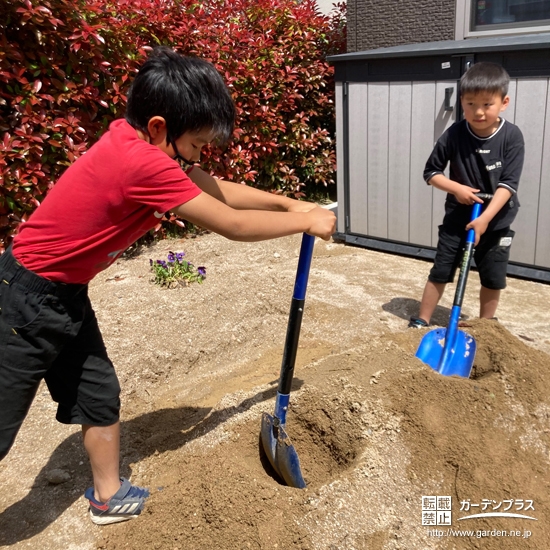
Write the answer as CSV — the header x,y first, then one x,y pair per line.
x,y
488,302
430,298
102,444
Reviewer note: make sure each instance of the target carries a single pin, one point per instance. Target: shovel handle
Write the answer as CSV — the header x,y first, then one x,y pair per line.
x,y
476,211
295,315
484,196
471,235
304,263
467,257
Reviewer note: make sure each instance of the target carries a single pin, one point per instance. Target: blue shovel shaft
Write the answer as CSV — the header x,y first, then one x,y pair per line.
x,y
452,329
275,441
304,264
466,260
281,407
295,315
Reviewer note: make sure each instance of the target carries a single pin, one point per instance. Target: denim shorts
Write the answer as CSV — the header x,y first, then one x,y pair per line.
x,y
491,256
48,331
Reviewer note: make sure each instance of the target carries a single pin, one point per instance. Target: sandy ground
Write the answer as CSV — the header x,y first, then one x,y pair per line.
x,y
376,430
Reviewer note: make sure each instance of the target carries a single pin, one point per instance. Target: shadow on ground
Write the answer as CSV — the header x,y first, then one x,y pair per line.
x,y
407,307
143,436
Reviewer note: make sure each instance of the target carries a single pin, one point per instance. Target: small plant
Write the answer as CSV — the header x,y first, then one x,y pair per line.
x,y
175,271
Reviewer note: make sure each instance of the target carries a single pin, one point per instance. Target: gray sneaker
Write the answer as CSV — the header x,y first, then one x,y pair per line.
x,y
126,503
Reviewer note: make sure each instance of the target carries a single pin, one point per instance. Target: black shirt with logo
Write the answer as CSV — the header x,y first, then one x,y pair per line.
x,y
481,163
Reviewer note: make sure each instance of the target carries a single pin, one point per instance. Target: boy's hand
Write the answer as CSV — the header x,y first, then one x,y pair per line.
x,y
323,223
479,225
466,195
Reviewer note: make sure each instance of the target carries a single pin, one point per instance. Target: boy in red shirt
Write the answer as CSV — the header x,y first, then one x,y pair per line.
x,y
103,203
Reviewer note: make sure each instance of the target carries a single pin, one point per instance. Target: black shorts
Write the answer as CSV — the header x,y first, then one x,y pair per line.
x,y
49,331
491,256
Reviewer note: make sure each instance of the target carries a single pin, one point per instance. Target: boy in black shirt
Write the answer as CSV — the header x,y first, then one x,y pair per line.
x,y
486,154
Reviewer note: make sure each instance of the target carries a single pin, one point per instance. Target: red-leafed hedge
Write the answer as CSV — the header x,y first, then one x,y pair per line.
x,y
65,66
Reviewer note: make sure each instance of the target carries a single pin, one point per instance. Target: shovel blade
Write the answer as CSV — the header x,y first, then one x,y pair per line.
x,y
460,359
288,461
269,441
280,452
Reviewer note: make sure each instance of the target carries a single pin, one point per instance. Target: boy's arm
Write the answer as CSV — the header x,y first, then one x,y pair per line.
x,y
436,164
467,195
255,225
464,193
243,197
507,185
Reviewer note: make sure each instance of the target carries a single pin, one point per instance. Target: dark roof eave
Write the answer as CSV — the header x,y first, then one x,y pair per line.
x,y
451,47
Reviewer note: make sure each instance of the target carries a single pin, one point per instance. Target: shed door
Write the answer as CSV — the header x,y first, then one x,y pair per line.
x,y
392,128
530,109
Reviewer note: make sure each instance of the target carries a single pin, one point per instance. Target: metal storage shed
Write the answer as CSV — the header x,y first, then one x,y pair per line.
x,y
392,104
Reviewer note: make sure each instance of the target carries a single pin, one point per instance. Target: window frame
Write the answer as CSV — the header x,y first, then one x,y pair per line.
x,y
463,19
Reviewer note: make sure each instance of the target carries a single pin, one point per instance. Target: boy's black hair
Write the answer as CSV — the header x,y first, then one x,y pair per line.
x,y
485,77
187,92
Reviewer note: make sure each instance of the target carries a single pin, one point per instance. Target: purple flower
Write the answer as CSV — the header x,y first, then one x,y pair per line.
x,y
179,256
202,271
171,257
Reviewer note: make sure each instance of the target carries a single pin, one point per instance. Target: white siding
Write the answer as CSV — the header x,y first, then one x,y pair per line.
x,y
391,130
530,110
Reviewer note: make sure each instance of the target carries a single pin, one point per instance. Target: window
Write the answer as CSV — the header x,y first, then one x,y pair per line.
x,y
501,17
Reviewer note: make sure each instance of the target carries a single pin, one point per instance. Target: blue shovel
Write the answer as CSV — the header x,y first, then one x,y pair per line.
x,y
276,443
451,351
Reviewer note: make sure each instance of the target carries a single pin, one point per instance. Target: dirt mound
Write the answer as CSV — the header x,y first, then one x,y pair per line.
x,y
483,441
213,488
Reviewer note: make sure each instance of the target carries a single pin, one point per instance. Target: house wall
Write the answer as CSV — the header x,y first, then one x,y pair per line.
x,y
379,24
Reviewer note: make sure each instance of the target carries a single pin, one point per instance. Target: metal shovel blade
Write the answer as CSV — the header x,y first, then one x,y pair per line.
x,y
457,362
280,452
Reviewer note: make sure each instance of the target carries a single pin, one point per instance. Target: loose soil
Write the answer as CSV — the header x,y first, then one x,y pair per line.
x,y
376,430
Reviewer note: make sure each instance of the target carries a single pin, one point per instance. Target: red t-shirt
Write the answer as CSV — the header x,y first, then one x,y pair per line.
x,y
102,204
